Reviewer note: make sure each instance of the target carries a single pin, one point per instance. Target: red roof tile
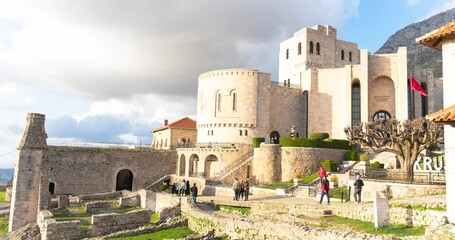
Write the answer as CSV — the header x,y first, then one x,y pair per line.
x,y
446,115
185,123
433,38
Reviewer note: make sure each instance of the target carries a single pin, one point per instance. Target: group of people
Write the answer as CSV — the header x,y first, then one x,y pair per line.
x,y
183,189
325,186
241,189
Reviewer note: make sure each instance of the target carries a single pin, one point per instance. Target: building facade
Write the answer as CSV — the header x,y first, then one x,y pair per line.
x,y
181,133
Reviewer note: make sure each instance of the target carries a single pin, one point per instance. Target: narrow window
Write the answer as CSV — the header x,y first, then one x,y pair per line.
x,y
52,188
311,47
287,53
246,132
285,83
218,102
342,54
318,49
350,56
211,132
240,131
208,132
355,103
299,48
289,82
234,102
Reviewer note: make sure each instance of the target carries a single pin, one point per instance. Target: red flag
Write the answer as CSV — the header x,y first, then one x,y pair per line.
x,y
416,86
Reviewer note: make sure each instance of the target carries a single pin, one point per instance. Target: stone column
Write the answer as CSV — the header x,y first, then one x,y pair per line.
x,y
26,184
269,163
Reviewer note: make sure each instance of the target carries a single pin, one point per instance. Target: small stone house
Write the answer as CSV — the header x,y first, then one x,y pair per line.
x,y
181,133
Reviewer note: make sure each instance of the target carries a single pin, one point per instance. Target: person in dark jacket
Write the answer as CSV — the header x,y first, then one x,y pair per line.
x,y
358,184
325,187
194,192
246,189
187,189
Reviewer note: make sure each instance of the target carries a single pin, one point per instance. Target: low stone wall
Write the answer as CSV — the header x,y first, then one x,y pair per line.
x,y
396,190
51,229
100,196
112,222
165,200
200,182
131,201
242,228
351,210
148,229
169,212
96,207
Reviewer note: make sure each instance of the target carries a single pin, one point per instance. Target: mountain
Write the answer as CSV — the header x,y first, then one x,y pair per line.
x,y
419,55
6,174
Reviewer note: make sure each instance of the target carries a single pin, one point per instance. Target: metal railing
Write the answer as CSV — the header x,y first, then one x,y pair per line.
x,y
215,145
235,164
96,144
281,84
399,176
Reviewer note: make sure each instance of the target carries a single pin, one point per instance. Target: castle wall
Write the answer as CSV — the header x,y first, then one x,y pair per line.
x,y
80,171
268,164
305,161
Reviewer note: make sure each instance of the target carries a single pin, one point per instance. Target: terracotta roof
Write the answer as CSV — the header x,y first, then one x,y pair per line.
x,y
433,38
185,123
446,115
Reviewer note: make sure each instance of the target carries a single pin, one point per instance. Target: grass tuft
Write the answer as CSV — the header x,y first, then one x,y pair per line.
x,y
173,233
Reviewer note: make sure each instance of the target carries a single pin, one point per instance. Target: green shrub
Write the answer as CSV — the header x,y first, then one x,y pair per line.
x,y
257,141
310,178
319,135
377,165
364,157
163,187
351,155
337,144
329,166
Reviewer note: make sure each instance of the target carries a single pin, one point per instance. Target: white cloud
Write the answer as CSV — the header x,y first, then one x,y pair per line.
x,y
14,96
446,5
412,3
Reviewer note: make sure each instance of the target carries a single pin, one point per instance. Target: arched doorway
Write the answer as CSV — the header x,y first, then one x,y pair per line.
x,y
208,169
274,137
182,166
381,115
194,160
52,188
124,180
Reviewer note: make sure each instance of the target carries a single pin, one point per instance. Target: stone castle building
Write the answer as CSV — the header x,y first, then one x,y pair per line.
x,y
181,133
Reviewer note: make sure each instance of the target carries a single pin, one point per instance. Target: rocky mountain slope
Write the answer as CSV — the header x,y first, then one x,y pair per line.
x,y
419,55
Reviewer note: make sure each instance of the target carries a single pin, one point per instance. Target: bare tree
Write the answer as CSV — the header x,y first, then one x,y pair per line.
x,y
406,139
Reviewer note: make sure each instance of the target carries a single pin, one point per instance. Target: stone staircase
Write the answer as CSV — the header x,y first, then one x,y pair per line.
x,y
151,184
232,168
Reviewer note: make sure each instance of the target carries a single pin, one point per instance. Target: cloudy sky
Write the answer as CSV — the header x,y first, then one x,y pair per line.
x,y
111,71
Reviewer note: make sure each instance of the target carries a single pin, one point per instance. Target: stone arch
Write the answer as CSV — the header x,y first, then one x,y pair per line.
x,y
193,165
381,115
381,96
51,188
208,166
311,47
275,137
182,165
124,180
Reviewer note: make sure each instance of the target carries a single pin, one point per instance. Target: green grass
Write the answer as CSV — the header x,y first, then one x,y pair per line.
x,y
419,207
3,226
397,230
336,192
2,196
273,186
172,233
244,211
310,178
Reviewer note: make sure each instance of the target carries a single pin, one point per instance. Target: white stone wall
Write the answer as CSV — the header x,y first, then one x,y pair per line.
x,y
448,68
162,139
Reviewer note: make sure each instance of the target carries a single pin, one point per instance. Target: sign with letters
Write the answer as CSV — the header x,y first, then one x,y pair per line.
x,y
424,163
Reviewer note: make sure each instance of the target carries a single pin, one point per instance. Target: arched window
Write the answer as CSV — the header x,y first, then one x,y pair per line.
x,y
246,132
342,54
424,100
355,104
311,47
350,56
285,83
234,101
218,101
287,53
299,48
240,132
381,115
318,49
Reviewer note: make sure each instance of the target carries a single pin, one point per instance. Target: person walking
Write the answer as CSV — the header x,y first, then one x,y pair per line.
x,y
358,184
246,188
187,188
325,187
194,192
236,188
322,173
182,187
241,190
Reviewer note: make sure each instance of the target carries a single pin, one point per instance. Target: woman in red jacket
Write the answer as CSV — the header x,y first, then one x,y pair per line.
x,y
325,187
